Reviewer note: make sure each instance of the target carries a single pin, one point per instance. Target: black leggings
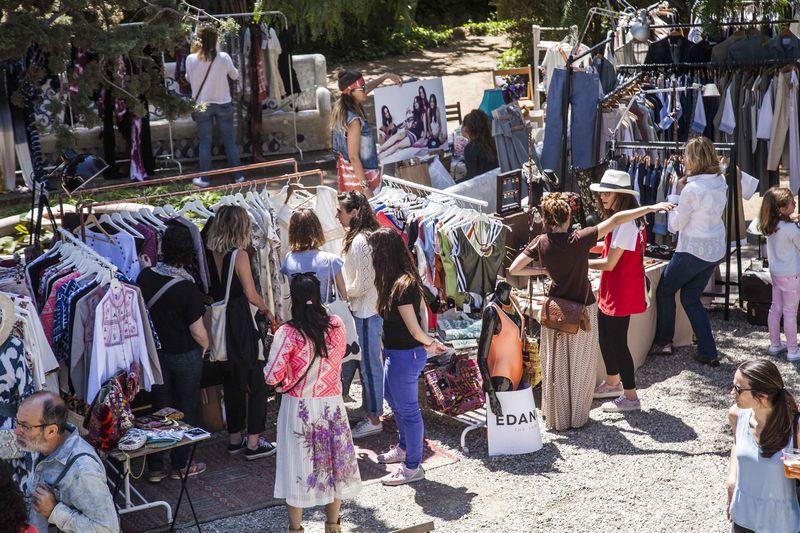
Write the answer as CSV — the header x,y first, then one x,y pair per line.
x,y
736,528
612,333
245,403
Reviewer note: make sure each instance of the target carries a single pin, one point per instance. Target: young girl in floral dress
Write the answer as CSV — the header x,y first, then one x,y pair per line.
x,y
316,462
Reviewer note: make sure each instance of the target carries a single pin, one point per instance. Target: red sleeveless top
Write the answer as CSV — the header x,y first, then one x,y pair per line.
x,y
622,289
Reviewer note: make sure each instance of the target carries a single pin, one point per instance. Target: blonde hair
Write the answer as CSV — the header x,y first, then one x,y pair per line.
x,y
774,200
700,157
231,229
305,231
555,210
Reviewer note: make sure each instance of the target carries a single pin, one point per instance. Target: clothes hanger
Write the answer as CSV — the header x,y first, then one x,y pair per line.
x,y
148,215
125,227
91,221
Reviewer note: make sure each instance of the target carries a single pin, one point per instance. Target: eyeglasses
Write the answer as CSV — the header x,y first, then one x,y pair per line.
x,y
28,427
739,390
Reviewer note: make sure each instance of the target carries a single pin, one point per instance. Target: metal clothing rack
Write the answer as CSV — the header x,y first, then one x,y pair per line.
x,y
430,190
66,235
175,179
711,66
292,96
89,205
732,224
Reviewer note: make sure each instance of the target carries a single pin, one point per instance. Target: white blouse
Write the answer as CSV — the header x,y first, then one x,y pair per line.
x,y
698,217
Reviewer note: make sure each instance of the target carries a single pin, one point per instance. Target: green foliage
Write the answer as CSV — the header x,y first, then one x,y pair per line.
x,y
397,43
511,58
488,27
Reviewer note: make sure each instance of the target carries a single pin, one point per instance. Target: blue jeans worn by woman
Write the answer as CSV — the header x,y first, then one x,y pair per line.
x,y
401,386
371,366
205,130
181,391
688,274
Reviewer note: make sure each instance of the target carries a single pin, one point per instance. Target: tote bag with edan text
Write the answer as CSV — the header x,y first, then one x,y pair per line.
x,y
516,431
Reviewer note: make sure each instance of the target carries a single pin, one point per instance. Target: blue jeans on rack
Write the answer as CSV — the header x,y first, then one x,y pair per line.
x,y
689,274
371,367
582,100
205,129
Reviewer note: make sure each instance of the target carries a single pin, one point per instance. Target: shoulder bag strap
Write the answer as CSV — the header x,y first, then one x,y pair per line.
x,y
69,465
203,84
231,270
152,301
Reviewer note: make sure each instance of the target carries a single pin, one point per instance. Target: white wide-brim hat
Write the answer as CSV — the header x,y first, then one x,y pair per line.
x,y
614,181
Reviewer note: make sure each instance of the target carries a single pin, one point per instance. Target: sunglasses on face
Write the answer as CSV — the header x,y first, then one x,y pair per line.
x,y
739,390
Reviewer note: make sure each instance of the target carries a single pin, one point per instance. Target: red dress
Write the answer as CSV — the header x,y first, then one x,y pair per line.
x,y
622,289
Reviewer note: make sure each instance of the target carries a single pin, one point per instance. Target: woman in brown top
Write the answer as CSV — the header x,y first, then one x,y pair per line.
x,y
568,361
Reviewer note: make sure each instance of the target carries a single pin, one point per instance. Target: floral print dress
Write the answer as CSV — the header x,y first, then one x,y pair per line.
x,y
316,460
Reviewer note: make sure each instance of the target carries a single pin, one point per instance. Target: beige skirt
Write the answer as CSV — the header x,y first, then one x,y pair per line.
x,y
568,375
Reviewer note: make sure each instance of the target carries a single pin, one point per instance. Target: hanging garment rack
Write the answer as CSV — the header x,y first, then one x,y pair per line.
x,y
730,23
430,190
673,90
89,205
732,226
292,96
622,88
712,66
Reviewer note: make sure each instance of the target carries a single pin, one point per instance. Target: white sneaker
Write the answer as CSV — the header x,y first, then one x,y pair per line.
x,y
793,356
777,350
403,475
200,182
365,428
396,454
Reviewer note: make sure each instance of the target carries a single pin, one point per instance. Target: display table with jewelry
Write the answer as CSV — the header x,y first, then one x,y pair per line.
x,y
156,433
642,328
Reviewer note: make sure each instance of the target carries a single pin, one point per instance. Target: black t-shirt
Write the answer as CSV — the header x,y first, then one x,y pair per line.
x,y
477,159
175,310
395,333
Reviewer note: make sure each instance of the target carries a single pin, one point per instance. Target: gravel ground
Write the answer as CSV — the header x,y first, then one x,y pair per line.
x,y
662,469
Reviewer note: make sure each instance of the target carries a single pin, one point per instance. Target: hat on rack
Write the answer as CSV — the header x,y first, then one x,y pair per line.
x,y
614,181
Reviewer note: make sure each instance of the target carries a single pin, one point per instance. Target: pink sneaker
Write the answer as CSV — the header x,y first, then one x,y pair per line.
x,y
604,390
403,475
396,454
622,404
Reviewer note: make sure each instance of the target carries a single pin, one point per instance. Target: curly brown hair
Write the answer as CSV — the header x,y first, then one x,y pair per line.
x,y
477,126
555,210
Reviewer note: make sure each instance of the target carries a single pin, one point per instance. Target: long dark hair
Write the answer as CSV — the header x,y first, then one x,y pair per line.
x,y
433,103
346,102
386,121
363,221
479,129
423,98
395,270
765,381
207,35
15,516
311,319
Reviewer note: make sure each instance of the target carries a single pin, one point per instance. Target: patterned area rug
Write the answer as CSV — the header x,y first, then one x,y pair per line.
x,y
232,485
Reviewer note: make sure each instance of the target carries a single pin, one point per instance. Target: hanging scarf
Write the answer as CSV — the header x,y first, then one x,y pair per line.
x,y
172,271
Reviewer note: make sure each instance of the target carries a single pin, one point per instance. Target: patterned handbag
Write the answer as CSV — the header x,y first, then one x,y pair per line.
x,y
456,387
110,415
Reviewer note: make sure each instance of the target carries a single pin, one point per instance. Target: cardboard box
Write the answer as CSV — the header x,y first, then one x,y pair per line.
x,y
414,171
211,405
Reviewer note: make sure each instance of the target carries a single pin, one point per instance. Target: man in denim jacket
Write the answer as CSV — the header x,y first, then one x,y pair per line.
x,y
68,488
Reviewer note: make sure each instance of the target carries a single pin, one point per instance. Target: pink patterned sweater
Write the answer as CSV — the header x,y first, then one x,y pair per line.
x,y
290,355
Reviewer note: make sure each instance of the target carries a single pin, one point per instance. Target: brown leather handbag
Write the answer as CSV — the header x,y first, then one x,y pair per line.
x,y
564,315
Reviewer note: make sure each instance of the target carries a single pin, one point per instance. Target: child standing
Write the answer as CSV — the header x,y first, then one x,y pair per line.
x,y
783,251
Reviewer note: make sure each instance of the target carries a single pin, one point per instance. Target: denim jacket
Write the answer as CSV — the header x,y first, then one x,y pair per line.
x,y
368,153
83,501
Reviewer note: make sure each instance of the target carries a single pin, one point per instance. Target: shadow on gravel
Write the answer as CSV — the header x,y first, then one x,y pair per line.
x,y
608,438
660,426
540,463
358,519
443,501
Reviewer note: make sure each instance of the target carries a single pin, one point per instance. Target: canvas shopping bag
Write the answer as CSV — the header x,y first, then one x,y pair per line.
x,y
517,431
